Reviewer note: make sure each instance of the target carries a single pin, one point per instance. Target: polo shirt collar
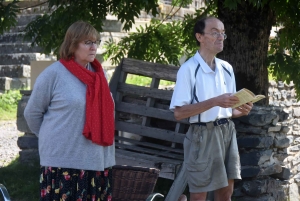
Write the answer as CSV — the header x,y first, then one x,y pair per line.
x,y
203,64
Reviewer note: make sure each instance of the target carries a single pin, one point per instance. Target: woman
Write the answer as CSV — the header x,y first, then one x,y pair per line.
x,y
71,111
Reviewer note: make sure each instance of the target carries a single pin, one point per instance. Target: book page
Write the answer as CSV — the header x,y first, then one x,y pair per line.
x,y
257,98
246,96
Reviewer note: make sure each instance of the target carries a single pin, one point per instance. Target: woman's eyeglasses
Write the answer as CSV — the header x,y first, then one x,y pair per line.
x,y
90,43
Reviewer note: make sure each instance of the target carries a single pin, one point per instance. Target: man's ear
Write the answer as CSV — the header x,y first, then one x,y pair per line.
x,y
198,36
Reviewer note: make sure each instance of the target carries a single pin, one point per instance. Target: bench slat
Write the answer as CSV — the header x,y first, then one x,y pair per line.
x,y
146,157
157,133
144,91
147,111
154,70
147,144
154,152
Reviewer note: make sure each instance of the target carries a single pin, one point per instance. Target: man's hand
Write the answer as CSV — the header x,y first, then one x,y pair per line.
x,y
226,100
245,108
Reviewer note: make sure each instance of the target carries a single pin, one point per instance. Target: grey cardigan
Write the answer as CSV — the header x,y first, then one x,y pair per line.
x,y
55,112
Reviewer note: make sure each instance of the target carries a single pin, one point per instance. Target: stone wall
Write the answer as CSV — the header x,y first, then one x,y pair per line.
x,y
284,95
263,147
268,139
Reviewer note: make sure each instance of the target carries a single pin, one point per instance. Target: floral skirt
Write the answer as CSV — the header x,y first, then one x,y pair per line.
x,y
65,184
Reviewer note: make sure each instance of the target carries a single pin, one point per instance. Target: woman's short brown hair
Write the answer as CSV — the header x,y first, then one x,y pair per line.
x,y
76,33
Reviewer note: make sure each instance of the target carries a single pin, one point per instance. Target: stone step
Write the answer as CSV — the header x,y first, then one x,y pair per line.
x,y
32,6
7,83
24,19
17,37
10,48
23,58
16,29
15,71
19,58
35,8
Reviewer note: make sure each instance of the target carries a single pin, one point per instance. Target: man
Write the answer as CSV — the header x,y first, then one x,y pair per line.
x,y
203,94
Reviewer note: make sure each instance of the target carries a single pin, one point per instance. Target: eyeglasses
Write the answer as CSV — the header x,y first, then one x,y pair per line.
x,y
89,43
217,34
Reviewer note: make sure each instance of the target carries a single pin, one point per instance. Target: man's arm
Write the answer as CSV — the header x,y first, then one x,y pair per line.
x,y
186,111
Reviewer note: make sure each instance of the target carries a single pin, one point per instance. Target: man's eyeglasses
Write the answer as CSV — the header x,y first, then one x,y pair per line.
x,y
89,43
217,34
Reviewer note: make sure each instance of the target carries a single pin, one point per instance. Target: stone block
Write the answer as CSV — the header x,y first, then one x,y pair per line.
x,y
294,148
18,58
254,158
21,121
281,143
28,142
280,157
249,171
274,129
7,83
258,119
255,141
296,112
25,19
29,155
283,175
250,129
285,129
15,71
259,198
254,188
294,192
13,48
17,37
17,29
112,26
272,169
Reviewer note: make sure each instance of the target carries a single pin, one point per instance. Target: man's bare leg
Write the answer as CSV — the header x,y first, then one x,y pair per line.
x,y
224,194
198,196
182,198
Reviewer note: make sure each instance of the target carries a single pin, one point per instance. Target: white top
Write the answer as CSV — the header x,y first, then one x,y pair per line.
x,y
196,75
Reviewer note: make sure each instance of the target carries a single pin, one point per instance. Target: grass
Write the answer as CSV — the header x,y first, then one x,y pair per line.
x,y
9,104
144,81
21,180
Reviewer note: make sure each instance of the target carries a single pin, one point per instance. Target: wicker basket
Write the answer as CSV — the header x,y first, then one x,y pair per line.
x,y
133,183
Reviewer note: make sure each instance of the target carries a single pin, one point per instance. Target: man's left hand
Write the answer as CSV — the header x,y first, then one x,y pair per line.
x,y
245,108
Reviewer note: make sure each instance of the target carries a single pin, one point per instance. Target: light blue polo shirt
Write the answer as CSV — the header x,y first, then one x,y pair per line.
x,y
197,82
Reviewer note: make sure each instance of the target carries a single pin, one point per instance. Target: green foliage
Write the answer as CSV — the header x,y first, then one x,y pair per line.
x,y
8,15
164,40
157,42
160,42
21,180
48,30
8,104
181,3
284,53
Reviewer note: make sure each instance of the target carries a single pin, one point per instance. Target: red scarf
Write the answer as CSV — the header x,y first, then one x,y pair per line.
x,y
99,115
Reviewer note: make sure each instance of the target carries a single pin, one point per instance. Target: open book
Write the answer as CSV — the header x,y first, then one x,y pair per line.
x,y
246,96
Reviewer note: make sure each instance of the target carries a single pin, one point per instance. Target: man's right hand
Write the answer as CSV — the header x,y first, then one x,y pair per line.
x,y
226,100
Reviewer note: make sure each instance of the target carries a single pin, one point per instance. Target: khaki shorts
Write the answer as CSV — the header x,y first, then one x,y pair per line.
x,y
211,157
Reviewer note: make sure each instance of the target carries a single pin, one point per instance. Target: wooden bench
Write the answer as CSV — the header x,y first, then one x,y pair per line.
x,y
147,133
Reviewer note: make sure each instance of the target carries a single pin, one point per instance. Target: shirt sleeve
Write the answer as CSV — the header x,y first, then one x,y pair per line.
x,y
182,94
39,101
